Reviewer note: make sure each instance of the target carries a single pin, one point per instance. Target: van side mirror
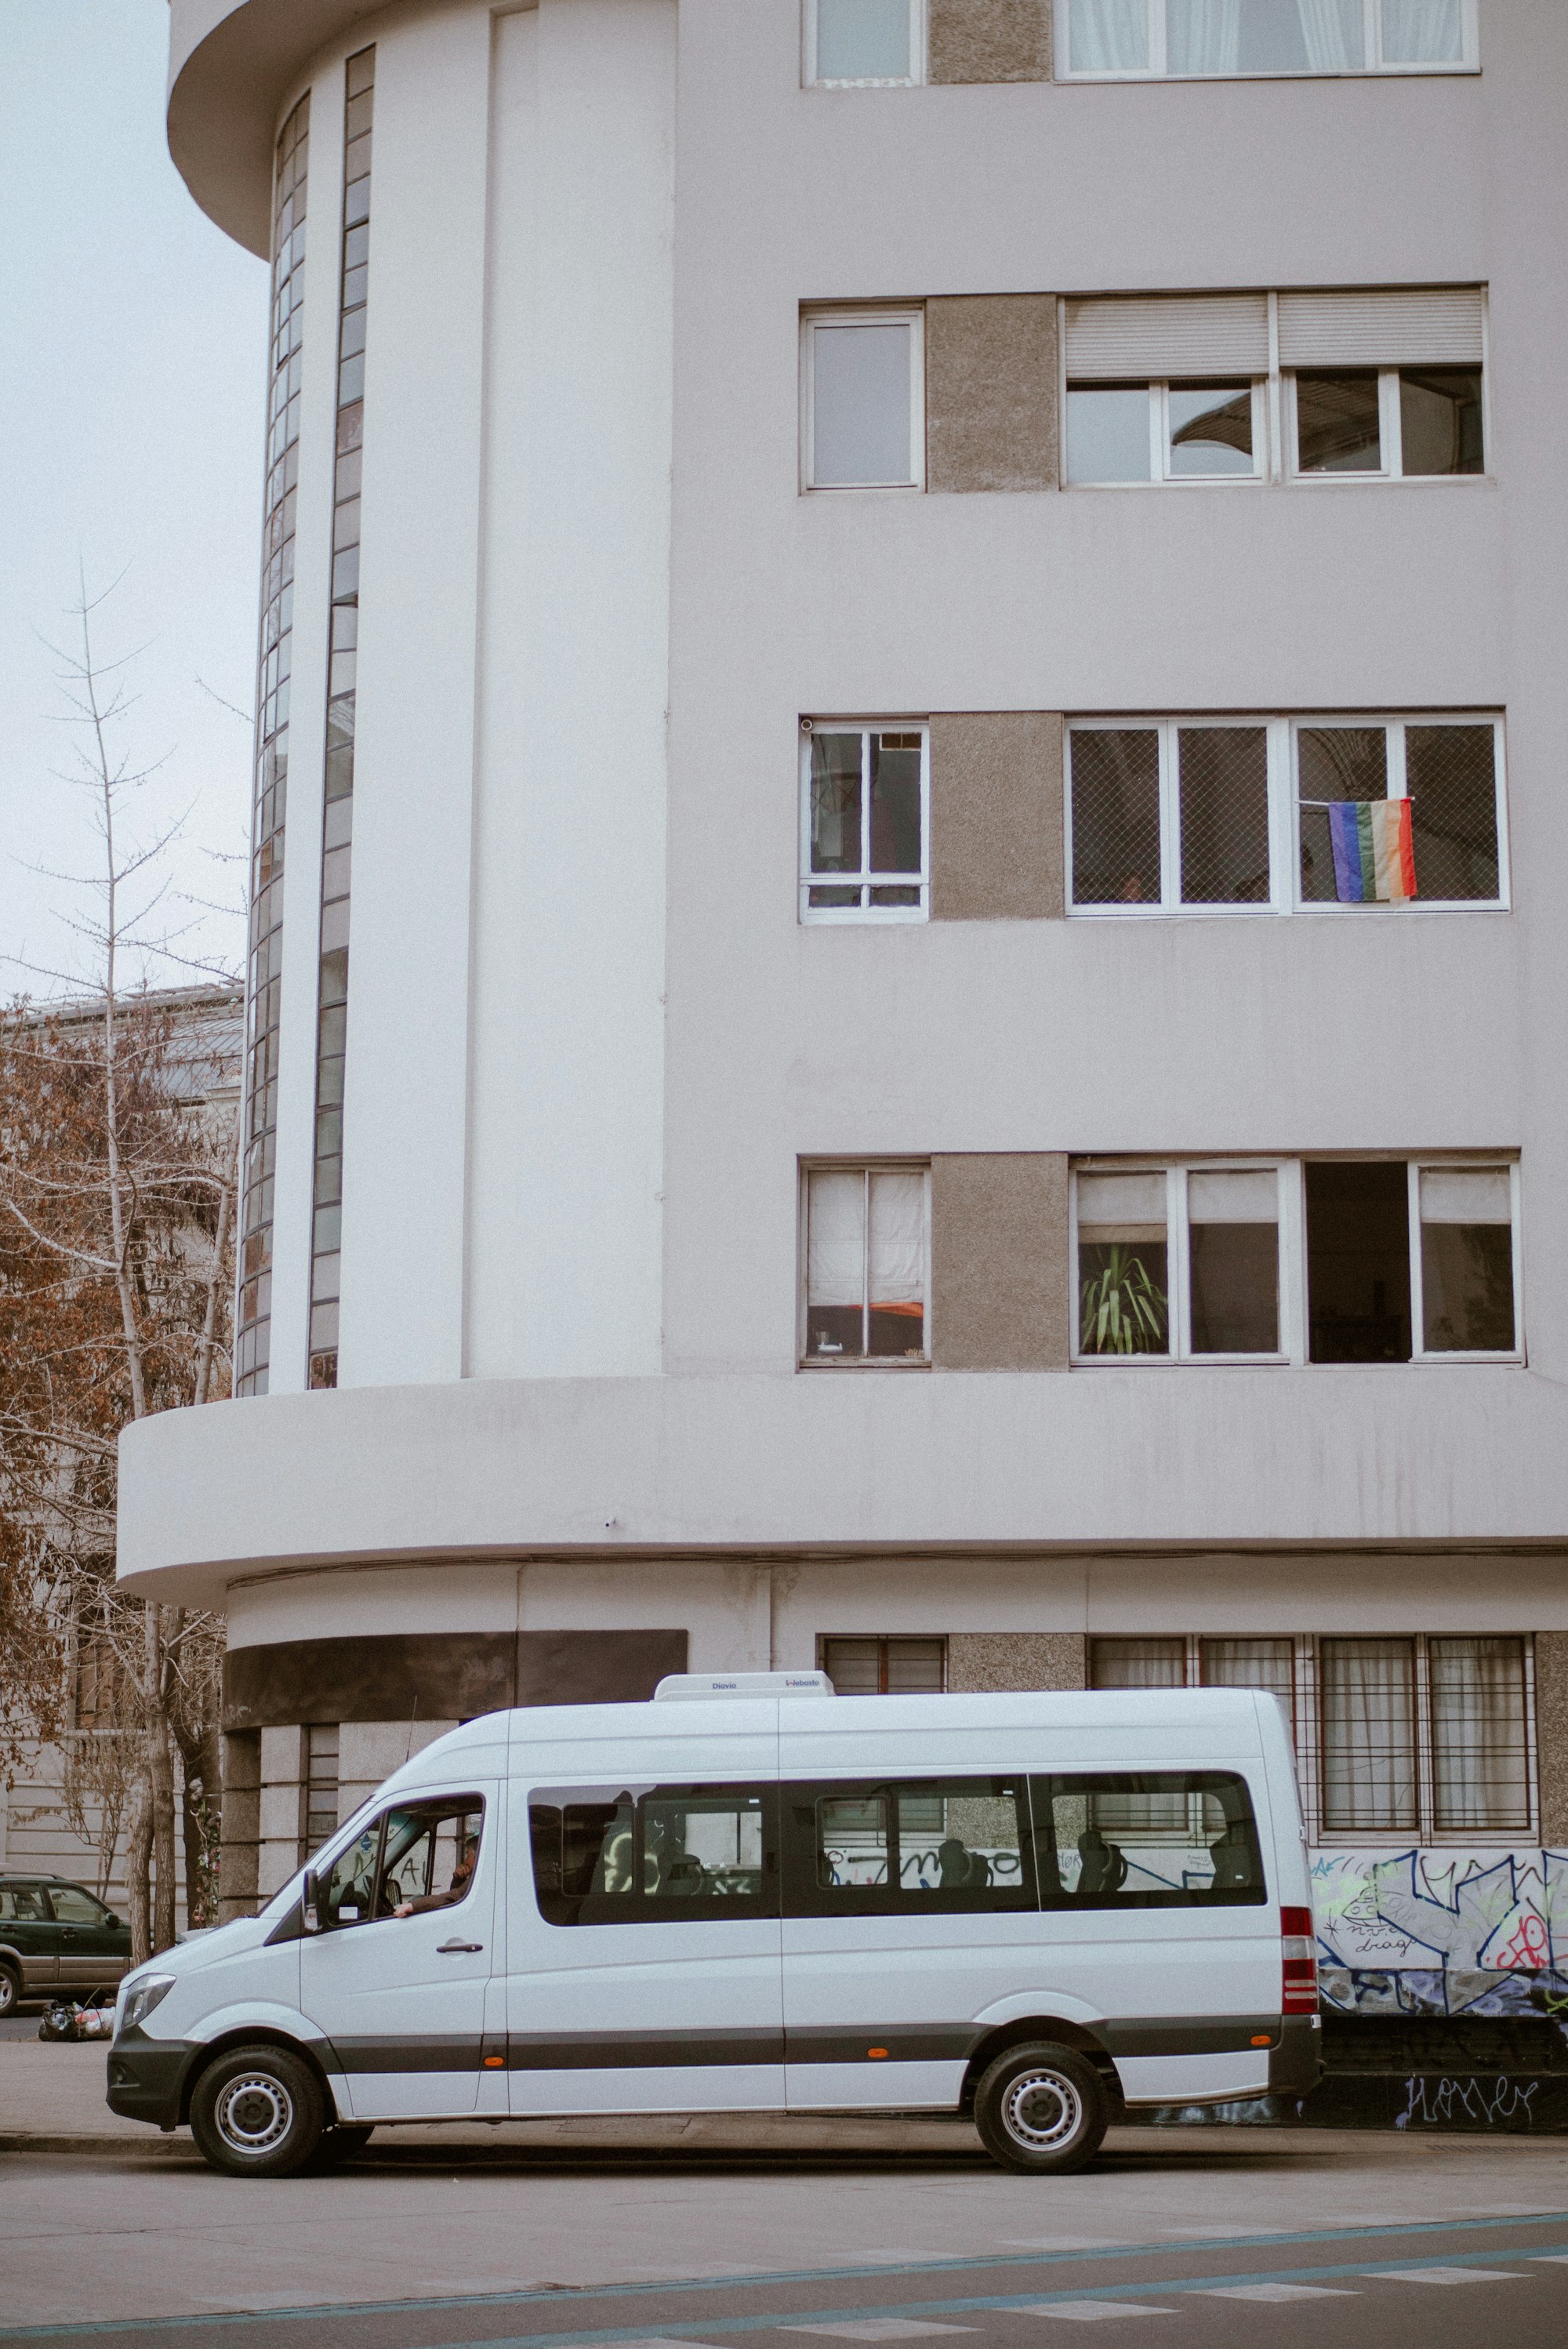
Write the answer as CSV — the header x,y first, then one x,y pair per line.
x,y
312,1907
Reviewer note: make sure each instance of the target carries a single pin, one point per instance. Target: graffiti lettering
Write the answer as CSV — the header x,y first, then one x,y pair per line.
x,y
1436,2100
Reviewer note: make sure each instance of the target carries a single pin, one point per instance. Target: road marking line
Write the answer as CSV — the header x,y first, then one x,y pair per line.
x,y
1447,2275
1271,2292
1093,2311
879,2328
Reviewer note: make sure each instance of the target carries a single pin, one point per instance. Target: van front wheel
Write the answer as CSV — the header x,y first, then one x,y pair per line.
x,y
257,2112
1041,2109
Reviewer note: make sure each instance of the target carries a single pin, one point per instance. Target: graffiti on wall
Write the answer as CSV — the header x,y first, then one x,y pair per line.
x,y
1431,1931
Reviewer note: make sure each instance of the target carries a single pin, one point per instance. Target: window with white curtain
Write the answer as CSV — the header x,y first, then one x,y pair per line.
x,y
868,1277
1419,1736
1205,40
864,43
862,399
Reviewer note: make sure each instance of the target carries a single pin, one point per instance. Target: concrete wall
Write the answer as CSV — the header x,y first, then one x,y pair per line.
x,y
997,826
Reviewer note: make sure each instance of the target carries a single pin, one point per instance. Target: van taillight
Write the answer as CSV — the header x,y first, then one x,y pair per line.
x,y
1298,1962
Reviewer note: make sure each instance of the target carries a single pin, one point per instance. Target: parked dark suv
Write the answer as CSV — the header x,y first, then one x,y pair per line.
x,y
55,1935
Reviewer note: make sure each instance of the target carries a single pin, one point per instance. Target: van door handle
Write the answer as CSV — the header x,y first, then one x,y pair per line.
x,y
459,1949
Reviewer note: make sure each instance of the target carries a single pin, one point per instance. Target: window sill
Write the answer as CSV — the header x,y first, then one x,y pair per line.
x,y
879,917
862,1362
1446,71
1336,911
863,489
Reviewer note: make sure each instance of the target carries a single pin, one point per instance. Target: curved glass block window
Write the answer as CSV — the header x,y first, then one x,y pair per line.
x,y
338,820
252,1320
1205,40
865,795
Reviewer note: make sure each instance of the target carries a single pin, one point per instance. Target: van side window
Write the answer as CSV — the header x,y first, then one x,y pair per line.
x,y
652,1855
413,1857
1148,1839
909,1846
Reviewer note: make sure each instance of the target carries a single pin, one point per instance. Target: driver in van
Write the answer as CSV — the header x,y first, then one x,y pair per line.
x,y
462,1877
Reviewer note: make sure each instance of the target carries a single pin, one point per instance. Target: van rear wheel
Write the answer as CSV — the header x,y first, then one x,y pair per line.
x,y
1041,2109
258,2112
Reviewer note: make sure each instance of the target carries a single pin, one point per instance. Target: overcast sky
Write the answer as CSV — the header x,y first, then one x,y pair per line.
x,y
132,356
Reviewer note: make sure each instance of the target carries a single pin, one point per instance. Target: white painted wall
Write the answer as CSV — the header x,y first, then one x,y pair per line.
x,y
569,905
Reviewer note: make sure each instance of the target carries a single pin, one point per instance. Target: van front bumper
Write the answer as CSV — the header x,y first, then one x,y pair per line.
x,y
147,2078
1296,2065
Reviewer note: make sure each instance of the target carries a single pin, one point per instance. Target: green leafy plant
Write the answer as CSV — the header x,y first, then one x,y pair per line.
x,y
1121,1309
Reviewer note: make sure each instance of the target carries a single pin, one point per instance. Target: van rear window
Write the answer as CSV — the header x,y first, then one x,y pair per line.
x,y
907,1847
1147,1839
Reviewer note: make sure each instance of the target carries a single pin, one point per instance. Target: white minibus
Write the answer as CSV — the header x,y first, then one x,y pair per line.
x,y
751,1895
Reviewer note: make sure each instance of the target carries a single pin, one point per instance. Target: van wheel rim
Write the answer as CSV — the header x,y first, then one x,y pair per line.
x,y
254,2113
1042,2111
7,1993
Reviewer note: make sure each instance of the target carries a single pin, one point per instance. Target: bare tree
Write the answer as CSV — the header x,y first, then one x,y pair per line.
x,y
116,1274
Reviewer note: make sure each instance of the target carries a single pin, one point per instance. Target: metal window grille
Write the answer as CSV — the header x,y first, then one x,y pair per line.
x,y
337,815
1480,1759
884,1667
253,1317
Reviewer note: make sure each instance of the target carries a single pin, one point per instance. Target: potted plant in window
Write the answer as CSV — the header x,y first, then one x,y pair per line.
x,y
1122,1308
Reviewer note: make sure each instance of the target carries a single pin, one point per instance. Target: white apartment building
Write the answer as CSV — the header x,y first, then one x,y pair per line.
x,y
936,638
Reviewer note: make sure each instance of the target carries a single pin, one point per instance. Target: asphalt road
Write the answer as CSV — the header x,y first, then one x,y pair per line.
x,y
621,2252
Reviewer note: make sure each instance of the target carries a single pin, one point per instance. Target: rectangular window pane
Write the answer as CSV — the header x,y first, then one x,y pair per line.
x,y
884,1667
1116,816
1109,35
1149,1839
897,1267
1123,1282
855,1667
1336,767
1452,778
916,1667
1137,1664
1234,1235
1423,33
1337,427
1481,1764
835,1264
1210,431
652,1855
862,40
1358,1262
835,802
918,1845
1467,1260
1369,1735
1268,1665
1224,788
1107,434
860,406
1440,420
895,803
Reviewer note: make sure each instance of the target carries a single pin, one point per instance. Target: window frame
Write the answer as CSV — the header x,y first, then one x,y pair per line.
x,y
864,313
1308,1730
806,1168
1390,427
1295,1323
1283,732
324,1863
673,1908
804,1897
884,1640
831,916
915,79
1160,474
1158,69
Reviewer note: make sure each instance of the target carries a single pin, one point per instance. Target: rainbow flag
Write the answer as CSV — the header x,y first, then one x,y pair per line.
x,y
1373,852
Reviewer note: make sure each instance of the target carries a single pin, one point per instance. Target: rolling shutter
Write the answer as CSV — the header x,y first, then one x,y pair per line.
x,y
1431,327
1153,334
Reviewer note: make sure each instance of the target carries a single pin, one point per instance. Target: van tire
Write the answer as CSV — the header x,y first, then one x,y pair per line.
x,y
258,2112
10,1991
1041,2109
343,2143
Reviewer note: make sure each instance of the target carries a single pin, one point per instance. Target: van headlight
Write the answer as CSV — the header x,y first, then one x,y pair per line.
x,y
142,1996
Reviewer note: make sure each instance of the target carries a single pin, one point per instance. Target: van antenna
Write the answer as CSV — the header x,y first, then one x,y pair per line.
x,y
409,1747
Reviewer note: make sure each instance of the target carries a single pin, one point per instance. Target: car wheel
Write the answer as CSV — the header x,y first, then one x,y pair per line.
x,y
343,2144
1041,2109
258,2112
10,1991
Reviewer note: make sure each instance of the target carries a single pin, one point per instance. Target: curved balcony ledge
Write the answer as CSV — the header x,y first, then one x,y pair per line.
x,y
823,1461
230,63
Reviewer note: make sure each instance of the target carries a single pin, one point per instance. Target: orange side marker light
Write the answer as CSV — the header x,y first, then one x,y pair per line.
x,y
494,2062
1261,2039
876,2054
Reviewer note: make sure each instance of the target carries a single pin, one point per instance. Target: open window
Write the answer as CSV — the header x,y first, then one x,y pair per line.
x,y
407,1860
865,793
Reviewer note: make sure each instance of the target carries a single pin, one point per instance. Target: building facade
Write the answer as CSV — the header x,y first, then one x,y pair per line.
x,y
932,631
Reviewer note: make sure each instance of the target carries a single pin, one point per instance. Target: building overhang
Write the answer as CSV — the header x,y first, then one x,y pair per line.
x,y
825,1462
231,66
